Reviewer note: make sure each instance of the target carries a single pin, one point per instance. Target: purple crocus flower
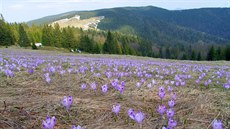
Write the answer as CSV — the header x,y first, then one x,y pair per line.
x,y
166,82
139,117
83,86
51,70
173,96
116,108
170,88
154,82
138,84
171,103
205,83
183,83
67,101
142,80
170,113
177,83
78,127
131,114
104,88
216,124
93,86
161,94
47,77
171,123
161,88
226,86
161,109
123,83
120,88
8,73
149,85
48,123
70,70
62,72
30,71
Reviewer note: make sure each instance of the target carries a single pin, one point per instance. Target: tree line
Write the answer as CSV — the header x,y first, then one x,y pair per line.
x,y
104,42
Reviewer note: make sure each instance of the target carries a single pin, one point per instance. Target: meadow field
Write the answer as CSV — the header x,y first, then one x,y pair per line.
x,y
110,91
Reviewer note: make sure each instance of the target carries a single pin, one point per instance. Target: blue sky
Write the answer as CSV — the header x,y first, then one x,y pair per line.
x,y
25,10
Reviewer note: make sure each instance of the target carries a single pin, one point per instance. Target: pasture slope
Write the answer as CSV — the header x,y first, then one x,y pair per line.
x,y
27,96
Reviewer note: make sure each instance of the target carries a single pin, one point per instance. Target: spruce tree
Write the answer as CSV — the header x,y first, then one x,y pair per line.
x,y
211,54
111,45
184,57
86,44
193,55
96,48
167,53
23,38
47,35
68,39
227,53
57,36
198,57
6,35
107,44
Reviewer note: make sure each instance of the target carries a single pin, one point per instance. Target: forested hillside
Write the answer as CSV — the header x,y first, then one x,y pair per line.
x,y
198,34
161,26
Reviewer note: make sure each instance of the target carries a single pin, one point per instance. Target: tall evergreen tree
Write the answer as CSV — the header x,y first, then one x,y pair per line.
x,y
220,54
211,54
47,35
167,53
111,45
227,53
6,35
86,44
184,57
193,55
97,48
23,38
68,39
160,53
198,56
125,47
57,35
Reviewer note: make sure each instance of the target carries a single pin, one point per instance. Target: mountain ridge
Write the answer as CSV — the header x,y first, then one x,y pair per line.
x,y
162,26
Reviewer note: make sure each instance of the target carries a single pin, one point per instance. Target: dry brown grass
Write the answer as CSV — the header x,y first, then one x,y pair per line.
x,y
25,100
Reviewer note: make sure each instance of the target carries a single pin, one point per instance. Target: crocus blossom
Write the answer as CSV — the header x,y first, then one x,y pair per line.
x,y
48,123
116,109
78,127
67,102
104,88
161,109
139,117
216,124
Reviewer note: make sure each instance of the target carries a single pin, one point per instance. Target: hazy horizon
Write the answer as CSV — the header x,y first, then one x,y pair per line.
x,y
26,10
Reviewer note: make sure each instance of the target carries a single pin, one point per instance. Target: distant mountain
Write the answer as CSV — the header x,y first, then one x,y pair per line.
x,y
161,26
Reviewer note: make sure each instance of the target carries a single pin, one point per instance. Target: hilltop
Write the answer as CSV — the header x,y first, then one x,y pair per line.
x,y
158,25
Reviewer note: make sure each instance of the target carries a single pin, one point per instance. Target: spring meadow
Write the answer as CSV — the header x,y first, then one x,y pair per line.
x,y
114,64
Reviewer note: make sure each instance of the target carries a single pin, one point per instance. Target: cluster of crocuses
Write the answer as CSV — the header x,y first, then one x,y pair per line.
x,y
49,123
138,117
119,86
162,108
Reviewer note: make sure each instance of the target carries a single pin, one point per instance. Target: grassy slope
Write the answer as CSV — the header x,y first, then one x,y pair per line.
x,y
29,99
